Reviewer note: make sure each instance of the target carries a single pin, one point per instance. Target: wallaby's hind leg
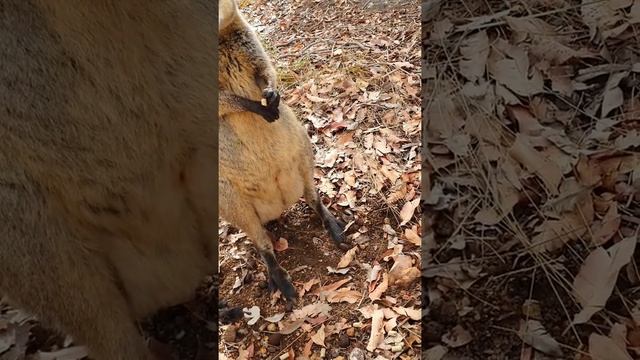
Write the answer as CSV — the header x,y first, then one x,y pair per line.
x,y
244,216
334,226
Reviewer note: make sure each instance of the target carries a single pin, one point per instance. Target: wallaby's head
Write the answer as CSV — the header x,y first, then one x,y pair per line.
x,y
227,11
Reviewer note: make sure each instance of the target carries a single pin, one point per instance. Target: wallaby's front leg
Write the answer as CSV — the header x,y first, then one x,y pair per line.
x,y
230,103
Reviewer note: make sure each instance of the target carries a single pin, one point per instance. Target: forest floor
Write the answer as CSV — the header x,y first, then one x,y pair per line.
x,y
533,179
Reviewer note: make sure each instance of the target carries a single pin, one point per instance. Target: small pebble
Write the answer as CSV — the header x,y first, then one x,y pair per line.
x,y
323,352
357,324
230,334
284,356
351,332
272,327
343,340
356,354
275,339
338,358
263,285
397,348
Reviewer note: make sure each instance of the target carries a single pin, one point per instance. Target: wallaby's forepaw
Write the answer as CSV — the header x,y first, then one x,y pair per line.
x,y
272,97
279,279
231,315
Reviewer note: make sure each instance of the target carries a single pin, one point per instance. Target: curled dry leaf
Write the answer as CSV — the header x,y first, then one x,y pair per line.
x,y
377,330
475,51
275,318
344,295
456,337
380,289
523,152
435,353
318,337
604,348
597,277
253,314
604,230
347,257
533,333
281,245
407,210
411,235
402,272
413,314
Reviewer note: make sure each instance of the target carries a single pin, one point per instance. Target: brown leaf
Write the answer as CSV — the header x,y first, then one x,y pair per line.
x,y
475,51
456,337
332,286
604,348
406,214
347,257
377,330
549,172
344,295
613,97
412,236
533,333
306,352
381,288
597,277
605,229
318,337
281,245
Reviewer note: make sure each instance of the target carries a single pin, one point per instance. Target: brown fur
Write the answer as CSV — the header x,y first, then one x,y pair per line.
x,y
264,167
107,137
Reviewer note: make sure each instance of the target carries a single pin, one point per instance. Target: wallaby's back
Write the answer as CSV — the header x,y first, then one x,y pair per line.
x,y
107,142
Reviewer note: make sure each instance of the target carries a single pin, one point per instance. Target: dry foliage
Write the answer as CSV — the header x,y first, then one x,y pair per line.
x,y
532,165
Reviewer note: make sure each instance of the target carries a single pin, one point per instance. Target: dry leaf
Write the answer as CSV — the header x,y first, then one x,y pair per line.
x,y
456,337
613,97
533,333
475,51
306,352
435,353
402,272
332,286
344,295
609,225
549,172
407,210
347,257
413,314
253,314
412,236
318,337
275,318
281,245
597,277
604,348
381,288
377,330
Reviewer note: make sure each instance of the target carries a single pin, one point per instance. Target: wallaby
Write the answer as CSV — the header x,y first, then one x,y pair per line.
x,y
246,76
107,140
264,167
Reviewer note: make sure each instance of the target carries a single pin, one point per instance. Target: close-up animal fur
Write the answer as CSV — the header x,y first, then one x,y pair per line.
x,y
107,136
265,167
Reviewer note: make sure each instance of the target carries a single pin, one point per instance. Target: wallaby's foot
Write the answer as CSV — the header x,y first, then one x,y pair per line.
x,y
229,315
335,228
272,112
279,279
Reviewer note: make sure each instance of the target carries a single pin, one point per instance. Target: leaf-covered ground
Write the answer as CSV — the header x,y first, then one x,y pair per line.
x,y
351,72
533,179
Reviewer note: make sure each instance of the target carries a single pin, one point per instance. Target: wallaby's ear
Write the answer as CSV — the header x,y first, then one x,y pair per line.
x,y
226,12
